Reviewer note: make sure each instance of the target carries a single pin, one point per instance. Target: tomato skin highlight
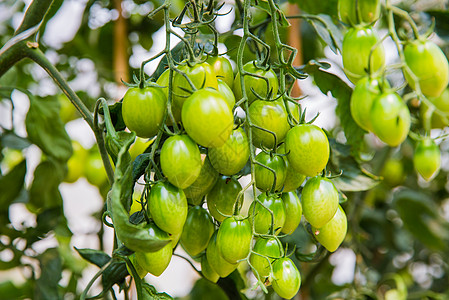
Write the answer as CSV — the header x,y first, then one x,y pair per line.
x,y
180,160
429,64
197,231
167,206
287,279
333,233
319,201
234,238
223,69
357,44
308,149
143,110
390,119
207,118
427,159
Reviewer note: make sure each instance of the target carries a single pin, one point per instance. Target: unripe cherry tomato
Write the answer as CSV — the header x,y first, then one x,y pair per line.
x,y
262,217
223,69
264,177
216,260
222,197
197,231
293,212
234,238
287,278
333,233
427,158
353,12
203,184
269,247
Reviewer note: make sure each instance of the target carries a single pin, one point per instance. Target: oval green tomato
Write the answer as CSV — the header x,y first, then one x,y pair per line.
x,y
227,93
155,262
264,177
441,103
223,69
197,231
207,270
203,184
232,156
353,12
319,201
261,217
139,147
75,164
393,172
167,206
308,149
256,85
272,116
143,110
293,212
222,197
429,65
207,118
94,170
365,92
333,233
180,160
141,272
286,278
390,119
357,45
269,250
216,260
293,179
427,158
234,238
201,75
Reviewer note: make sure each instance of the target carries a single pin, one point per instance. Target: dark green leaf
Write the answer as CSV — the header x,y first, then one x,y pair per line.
x,y
9,290
11,184
13,141
135,237
150,293
140,164
114,273
47,286
205,290
96,257
264,5
326,30
328,7
45,128
115,111
47,220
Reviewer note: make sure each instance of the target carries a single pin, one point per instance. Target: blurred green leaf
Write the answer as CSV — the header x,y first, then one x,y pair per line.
x,y
205,290
96,257
326,30
328,7
11,140
47,285
11,184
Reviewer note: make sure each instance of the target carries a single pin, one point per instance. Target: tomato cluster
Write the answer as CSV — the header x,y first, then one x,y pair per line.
x,y
201,156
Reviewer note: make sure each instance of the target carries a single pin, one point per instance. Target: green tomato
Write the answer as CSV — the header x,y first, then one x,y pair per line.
x,y
286,278
365,92
390,119
393,172
441,103
141,272
293,212
308,149
293,179
357,45
222,197
167,206
223,69
207,118
203,184
94,170
234,238
180,160
207,270
155,262
261,217
353,12
139,147
76,164
221,266
227,93
232,156
197,231
264,177
430,66
333,233
272,116
143,110
319,201
272,249
427,158
256,85
202,76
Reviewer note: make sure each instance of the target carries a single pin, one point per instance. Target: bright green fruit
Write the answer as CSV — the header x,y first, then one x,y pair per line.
x,y
232,156
441,103
293,212
216,260
94,170
207,270
393,172
272,249
353,12
167,206
262,217
390,119
223,69
264,177
197,231
333,233
427,158
139,146
286,278
203,184
141,272
222,197
227,93
234,238
308,149
319,201
293,179
75,164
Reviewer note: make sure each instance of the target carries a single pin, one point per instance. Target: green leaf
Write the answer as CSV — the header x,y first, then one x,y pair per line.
x,y
264,5
116,272
135,237
150,293
9,290
47,286
115,111
13,141
328,7
45,128
11,184
140,165
326,30
96,257
420,217
204,290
